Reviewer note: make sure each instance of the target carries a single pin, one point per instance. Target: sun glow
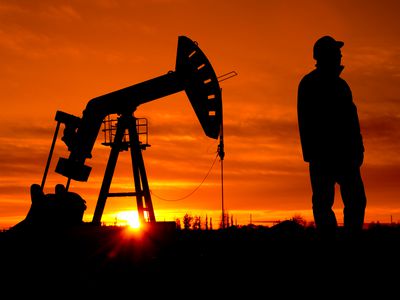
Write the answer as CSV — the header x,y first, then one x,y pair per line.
x,y
129,218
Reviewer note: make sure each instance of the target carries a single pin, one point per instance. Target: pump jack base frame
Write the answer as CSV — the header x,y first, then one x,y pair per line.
x,y
142,191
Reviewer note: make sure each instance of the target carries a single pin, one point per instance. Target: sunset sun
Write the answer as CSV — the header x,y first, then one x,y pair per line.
x,y
129,218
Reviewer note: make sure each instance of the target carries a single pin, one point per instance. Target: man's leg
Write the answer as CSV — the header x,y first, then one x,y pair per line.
x,y
354,199
323,194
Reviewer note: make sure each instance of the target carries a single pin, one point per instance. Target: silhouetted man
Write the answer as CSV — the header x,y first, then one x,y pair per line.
x,y
331,140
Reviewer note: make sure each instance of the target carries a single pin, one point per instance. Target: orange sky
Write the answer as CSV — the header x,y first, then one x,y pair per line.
x,y
57,55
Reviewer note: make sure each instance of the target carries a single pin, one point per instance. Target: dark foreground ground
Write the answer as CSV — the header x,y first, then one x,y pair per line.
x,y
281,261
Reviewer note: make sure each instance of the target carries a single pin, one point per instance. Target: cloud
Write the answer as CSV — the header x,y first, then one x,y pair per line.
x,y
382,127
20,40
264,128
20,160
11,8
20,131
62,12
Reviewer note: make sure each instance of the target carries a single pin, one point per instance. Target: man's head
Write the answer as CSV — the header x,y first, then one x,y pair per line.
x,y
327,51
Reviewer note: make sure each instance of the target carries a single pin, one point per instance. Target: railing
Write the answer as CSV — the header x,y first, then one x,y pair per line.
x,y
110,127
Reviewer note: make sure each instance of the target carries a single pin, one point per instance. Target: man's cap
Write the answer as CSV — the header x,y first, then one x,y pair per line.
x,y
325,45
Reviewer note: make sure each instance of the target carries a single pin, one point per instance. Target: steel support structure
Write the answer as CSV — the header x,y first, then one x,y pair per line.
x,y
142,191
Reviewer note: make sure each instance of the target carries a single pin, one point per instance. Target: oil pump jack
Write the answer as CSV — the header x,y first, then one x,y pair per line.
x,y
193,74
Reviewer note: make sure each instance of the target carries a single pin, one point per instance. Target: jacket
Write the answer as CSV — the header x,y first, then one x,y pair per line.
x,y
327,118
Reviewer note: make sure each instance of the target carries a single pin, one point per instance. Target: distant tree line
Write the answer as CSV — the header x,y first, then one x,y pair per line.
x,y
195,222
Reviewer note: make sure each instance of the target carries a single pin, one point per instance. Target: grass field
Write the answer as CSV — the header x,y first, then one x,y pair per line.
x,y
285,258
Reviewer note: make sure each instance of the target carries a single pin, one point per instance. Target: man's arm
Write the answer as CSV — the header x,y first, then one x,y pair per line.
x,y
303,119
